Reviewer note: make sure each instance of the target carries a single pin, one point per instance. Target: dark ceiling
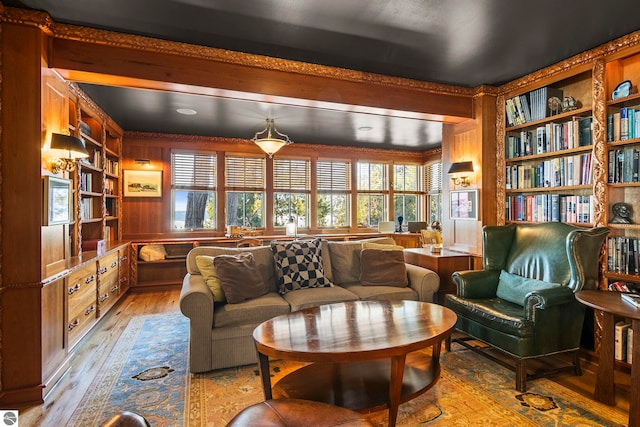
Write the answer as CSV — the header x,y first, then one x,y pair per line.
x,y
458,42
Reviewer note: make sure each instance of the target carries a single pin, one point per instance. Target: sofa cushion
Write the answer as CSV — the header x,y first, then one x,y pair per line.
x,y
381,293
383,267
372,245
345,258
304,298
208,271
514,288
299,265
239,276
250,312
262,255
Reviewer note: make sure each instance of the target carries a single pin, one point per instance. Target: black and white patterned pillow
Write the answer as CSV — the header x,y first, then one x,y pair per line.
x,y
299,265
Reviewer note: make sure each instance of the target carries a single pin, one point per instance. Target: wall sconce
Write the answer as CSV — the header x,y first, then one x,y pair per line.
x,y
142,162
460,172
65,150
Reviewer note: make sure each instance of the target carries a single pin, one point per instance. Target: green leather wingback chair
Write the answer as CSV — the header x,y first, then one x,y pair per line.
x,y
500,304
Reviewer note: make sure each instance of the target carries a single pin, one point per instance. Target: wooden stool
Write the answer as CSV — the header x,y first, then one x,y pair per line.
x,y
297,412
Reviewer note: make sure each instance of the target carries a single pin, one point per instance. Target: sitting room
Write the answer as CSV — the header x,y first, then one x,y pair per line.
x,y
370,213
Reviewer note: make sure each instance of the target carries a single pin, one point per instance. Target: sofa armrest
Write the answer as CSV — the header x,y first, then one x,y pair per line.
x,y
196,302
424,281
476,284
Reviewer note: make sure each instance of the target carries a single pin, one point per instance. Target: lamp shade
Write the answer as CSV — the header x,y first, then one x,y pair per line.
x,y
270,140
459,167
68,147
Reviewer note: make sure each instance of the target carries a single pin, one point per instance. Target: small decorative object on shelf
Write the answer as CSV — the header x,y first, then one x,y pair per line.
x,y
621,213
622,90
555,105
400,219
569,103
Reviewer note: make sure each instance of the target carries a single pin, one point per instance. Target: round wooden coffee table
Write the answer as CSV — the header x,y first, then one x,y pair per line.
x,y
363,353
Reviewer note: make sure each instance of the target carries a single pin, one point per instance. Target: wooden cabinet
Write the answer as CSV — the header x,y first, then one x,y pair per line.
x,y
168,271
444,263
408,240
81,301
108,281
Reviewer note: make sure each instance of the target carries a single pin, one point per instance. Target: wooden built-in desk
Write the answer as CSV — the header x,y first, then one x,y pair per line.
x,y
444,263
612,305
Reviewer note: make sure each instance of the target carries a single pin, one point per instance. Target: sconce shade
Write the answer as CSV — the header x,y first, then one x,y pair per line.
x,y
68,147
459,167
270,140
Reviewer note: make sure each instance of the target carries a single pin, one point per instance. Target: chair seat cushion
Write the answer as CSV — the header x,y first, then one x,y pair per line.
x,y
494,313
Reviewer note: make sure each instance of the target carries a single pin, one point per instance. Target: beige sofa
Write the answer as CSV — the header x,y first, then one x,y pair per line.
x,y
221,334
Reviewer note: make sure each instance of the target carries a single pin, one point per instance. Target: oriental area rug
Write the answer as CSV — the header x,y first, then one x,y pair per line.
x,y
147,373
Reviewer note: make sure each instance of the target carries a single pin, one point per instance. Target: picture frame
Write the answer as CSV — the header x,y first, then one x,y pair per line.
x,y
58,201
464,204
142,183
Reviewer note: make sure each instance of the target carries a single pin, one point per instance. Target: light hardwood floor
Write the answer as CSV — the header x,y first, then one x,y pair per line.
x,y
95,348
90,355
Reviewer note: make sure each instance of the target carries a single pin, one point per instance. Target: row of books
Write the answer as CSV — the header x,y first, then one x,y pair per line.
x,y
112,167
624,165
623,125
623,349
86,208
550,208
85,183
530,106
550,137
623,254
558,172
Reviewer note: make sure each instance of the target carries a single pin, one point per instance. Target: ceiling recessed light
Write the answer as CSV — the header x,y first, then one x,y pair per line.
x,y
187,111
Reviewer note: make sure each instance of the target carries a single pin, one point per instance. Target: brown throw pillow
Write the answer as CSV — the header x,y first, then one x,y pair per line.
x,y
239,276
383,267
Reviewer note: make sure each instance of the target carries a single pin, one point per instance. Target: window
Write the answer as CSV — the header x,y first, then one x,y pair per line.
x,y
372,193
434,191
292,186
245,188
193,190
406,192
334,189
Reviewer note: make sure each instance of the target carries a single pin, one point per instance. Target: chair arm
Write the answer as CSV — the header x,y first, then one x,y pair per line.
x,y
424,281
196,302
476,284
547,298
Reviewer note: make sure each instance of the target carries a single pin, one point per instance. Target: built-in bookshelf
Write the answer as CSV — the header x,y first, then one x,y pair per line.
x,y
97,179
623,164
549,152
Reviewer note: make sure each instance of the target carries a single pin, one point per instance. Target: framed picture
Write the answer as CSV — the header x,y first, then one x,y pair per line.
x,y
464,204
58,201
141,183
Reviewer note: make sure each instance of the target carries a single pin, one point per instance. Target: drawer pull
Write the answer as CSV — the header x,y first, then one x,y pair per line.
x,y
114,264
90,278
73,324
123,258
73,289
90,310
103,270
114,288
103,298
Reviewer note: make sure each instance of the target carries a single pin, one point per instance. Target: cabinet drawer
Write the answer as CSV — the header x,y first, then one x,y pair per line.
x,y
108,264
80,320
79,282
109,290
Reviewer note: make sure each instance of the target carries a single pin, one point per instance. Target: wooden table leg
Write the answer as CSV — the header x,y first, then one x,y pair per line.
x,y
605,387
395,387
634,395
265,375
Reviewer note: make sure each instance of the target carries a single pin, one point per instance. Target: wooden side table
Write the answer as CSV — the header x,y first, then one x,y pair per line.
x,y
612,305
444,263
